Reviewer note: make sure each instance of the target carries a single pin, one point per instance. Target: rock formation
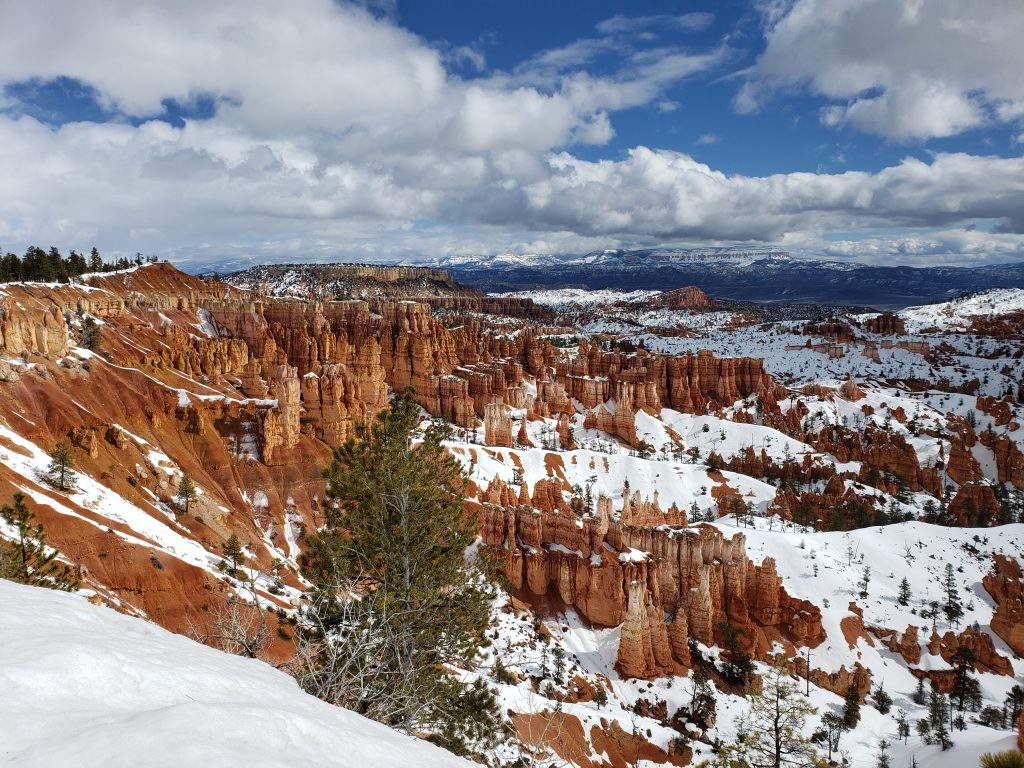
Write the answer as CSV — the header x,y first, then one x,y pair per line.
x,y
615,573
1005,583
886,324
497,425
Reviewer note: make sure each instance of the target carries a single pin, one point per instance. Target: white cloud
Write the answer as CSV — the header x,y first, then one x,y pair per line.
x,y
344,136
903,70
707,138
631,24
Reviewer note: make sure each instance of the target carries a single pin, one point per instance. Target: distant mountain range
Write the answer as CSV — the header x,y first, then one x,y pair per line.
x,y
747,274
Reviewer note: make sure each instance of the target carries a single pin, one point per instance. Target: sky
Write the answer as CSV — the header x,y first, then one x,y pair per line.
x,y
873,131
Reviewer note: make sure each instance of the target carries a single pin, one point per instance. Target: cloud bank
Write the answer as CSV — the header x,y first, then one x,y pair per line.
x,y
336,133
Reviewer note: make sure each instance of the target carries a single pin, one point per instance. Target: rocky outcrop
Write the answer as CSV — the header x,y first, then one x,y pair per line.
x,y
886,324
986,658
1005,583
504,306
497,425
330,281
838,682
33,330
690,298
615,573
975,505
834,330
1008,456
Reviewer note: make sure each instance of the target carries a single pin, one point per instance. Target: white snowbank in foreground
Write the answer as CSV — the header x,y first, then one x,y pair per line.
x,y
83,685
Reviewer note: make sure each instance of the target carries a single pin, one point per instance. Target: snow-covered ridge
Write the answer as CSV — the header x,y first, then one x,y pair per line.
x,y
956,315
616,257
86,686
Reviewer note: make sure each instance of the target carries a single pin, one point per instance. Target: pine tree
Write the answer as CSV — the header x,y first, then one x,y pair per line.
x,y
952,608
920,695
904,595
771,733
865,580
882,759
938,716
1015,702
62,465
902,726
966,690
738,666
833,728
186,494
397,536
851,707
27,559
883,701
90,335
703,705
233,552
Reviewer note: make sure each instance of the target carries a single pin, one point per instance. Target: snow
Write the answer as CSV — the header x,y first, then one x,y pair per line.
x,y
956,315
86,686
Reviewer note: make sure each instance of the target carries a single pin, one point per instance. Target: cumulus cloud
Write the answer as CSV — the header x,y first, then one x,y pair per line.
x,y
903,70
674,196
337,134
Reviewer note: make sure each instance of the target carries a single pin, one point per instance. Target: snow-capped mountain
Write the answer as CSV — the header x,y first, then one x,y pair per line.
x,y
749,274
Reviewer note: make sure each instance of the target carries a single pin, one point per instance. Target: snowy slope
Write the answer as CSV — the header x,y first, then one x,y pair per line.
x,y
956,315
85,686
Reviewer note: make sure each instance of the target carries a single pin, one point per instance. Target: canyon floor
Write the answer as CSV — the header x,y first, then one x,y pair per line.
x,y
656,472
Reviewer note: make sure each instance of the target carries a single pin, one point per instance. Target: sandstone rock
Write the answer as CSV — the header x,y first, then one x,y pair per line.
x,y
497,425
1005,583
886,324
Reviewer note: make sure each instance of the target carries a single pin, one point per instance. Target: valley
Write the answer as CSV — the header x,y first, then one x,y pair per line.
x,y
669,482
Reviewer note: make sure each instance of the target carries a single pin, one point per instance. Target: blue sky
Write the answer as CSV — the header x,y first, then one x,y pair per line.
x,y
263,131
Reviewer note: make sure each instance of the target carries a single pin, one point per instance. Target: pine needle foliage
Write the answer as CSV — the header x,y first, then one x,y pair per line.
x,y
27,559
61,471
771,733
1012,759
402,596
187,494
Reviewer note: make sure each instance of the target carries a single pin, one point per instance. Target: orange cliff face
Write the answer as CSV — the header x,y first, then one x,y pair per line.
x,y
249,396
663,582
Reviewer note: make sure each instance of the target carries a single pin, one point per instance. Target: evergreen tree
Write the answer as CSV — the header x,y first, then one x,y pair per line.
x,y
95,262
771,733
833,728
233,552
865,580
938,715
27,559
851,707
60,473
904,595
952,608
90,336
703,705
966,691
902,725
920,695
397,537
738,666
1014,703
883,701
882,759
187,495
